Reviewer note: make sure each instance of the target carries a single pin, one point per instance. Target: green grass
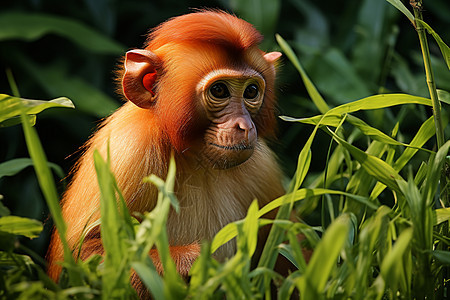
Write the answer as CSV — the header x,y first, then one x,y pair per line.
x,y
382,232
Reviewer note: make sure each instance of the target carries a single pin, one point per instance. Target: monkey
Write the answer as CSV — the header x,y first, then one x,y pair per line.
x,y
203,90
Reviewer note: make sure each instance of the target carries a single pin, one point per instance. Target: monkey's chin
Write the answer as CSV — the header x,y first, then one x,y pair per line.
x,y
227,157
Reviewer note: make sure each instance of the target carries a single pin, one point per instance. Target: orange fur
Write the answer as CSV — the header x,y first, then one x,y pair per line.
x,y
141,141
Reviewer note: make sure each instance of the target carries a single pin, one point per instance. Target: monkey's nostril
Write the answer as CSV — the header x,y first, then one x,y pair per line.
x,y
242,128
243,124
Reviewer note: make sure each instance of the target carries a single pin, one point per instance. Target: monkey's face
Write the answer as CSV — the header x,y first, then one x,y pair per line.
x,y
230,99
208,102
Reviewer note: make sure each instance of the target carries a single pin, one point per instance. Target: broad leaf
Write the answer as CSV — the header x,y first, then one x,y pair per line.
x,y
11,107
21,226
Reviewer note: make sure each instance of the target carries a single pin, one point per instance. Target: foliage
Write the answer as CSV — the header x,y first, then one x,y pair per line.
x,y
376,214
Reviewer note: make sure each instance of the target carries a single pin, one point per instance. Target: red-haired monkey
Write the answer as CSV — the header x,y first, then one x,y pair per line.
x,y
202,89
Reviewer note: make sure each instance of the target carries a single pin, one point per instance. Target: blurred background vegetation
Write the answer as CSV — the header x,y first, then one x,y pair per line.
x,y
350,49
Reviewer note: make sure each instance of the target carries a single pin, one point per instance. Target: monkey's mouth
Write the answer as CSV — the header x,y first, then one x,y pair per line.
x,y
227,156
237,147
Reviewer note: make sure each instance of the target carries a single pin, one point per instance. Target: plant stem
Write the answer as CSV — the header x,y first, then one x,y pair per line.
x,y
417,7
429,74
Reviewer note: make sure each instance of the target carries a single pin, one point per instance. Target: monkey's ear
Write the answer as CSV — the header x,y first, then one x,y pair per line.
x,y
272,57
140,75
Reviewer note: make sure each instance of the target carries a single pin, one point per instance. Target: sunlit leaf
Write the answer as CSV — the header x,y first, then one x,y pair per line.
x,y
368,103
11,107
229,231
21,226
324,258
442,215
426,131
374,166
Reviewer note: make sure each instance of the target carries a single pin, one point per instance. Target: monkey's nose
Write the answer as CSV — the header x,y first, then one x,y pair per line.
x,y
245,129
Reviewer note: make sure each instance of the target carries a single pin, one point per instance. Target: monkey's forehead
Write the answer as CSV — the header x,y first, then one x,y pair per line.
x,y
205,58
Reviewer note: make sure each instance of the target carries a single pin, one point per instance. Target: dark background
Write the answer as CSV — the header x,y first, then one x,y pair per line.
x,y
351,49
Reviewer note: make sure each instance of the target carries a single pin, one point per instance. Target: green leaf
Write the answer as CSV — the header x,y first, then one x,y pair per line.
x,y
445,50
11,107
306,193
374,133
434,173
21,226
47,184
14,166
371,239
373,102
393,269
276,234
324,258
288,285
442,215
225,234
174,286
320,103
442,256
426,131
443,96
115,236
250,228
399,5
229,231
151,279
374,166
32,26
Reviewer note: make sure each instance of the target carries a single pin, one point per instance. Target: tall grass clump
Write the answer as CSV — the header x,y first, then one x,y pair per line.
x,y
383,203
397,237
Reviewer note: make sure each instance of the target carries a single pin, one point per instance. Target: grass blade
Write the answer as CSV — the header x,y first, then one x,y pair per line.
x,y
324,258
318,100
368,103
393,269
445,50
402,8
373,165
426,131
47,184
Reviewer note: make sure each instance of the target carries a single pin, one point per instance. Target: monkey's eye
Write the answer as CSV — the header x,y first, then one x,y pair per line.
x,y
219,90
251,91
